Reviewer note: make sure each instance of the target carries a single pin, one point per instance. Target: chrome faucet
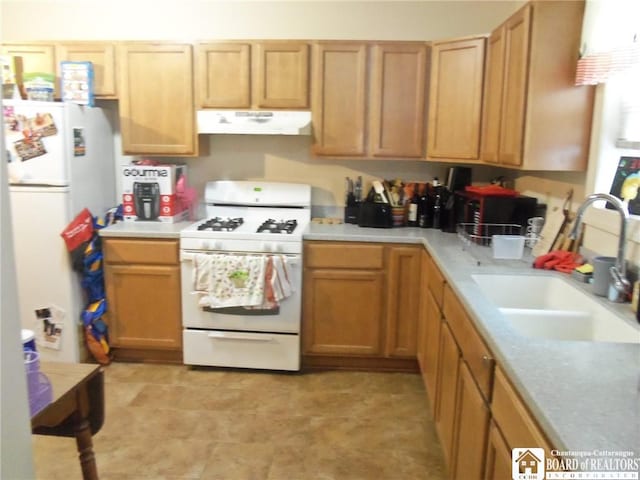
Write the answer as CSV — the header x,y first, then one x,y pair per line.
x,y
619,286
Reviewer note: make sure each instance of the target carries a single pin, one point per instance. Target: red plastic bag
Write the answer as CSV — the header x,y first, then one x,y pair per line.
x,y
79,231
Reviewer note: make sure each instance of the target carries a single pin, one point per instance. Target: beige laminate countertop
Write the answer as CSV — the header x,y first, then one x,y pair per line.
x,y
144,229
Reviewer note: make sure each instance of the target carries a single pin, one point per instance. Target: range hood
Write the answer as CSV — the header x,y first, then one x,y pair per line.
x,y
254,122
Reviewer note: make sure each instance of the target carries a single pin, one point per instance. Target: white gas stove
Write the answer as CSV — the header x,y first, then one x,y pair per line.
x,y
262,222
251,216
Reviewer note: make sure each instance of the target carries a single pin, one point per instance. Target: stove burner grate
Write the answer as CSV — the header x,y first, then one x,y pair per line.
x,y
219,224
283,226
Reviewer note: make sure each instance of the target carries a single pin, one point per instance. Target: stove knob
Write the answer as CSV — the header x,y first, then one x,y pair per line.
x,y
206,245
276,247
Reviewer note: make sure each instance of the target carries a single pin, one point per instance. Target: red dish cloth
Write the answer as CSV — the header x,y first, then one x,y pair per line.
x,y
491,191
559,260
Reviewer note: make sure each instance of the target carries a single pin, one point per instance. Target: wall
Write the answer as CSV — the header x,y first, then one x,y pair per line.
x,y
15,430
189,20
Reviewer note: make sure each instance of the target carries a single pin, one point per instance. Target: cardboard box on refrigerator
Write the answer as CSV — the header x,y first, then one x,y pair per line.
x,y
149,193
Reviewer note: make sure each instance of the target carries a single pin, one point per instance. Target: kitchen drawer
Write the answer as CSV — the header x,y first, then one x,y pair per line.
x,y
435,281
218,348
343,255
513,419
474,351
128,250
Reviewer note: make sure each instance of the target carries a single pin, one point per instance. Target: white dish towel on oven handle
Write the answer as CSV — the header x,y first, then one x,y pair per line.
x,y
280,280
229,280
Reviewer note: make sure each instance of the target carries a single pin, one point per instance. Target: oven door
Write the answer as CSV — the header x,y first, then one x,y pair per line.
x,y
286,319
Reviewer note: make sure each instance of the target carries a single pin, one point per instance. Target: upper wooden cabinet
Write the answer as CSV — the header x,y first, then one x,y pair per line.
x,y
281,75
35,58
535,118
157,114
253,75
383,121
397,101
46,57
339,98
103,58
455,99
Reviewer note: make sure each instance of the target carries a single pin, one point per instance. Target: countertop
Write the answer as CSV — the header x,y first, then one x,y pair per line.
x,y
585,395
144,229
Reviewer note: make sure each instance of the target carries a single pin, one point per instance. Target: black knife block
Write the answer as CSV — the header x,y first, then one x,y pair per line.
x,y
351,213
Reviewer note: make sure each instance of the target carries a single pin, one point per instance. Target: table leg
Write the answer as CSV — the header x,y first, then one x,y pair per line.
x,y
84,442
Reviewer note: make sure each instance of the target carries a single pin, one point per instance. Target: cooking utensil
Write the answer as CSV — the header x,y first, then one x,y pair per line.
x,y
553,225
380,191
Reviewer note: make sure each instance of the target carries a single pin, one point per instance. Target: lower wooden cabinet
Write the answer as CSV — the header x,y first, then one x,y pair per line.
x,y
360,305
142,281
472,425
498,461
479,416
343,311
448,364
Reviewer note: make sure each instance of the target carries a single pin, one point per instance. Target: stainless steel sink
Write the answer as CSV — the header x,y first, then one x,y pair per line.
x,y
543,306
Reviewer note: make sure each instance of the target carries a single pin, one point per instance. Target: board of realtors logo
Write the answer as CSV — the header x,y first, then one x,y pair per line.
x,y
527,464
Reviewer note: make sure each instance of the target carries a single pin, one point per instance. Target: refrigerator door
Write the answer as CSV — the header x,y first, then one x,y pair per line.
x,y
38,136
43,269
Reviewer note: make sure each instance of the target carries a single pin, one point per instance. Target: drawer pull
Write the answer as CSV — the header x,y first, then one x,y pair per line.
x,y
232,336
487,360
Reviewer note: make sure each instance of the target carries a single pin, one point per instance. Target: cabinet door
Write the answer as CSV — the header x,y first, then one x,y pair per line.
x,y
35,58
421,335
101,55
144,306
223,75
516,38
448,361
455,99
281,75
339,98
491,115
156,99
433,324
403,294
342,311
498,461
472,425
398,100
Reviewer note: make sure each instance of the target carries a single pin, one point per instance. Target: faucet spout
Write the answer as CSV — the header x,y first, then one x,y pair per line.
x,y
620,286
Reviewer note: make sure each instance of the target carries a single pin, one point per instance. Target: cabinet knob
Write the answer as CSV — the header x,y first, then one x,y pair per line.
x,y
487,360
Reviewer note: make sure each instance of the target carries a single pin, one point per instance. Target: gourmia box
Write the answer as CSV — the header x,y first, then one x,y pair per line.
x,y
149,193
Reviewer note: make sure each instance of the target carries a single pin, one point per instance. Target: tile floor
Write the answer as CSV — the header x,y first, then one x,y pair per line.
x,y
170,422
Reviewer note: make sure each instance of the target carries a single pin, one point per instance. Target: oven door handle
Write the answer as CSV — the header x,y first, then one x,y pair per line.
x,y
292,259
239,336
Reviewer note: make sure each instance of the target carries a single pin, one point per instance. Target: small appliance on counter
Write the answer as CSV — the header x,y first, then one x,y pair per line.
x,y
146,199
376,210
373,214
150,192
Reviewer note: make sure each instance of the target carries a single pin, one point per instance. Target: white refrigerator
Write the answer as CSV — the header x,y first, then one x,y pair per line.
x,y
60,160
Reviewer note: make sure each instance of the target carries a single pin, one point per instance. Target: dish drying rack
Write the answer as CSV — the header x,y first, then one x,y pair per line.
x,y
475,236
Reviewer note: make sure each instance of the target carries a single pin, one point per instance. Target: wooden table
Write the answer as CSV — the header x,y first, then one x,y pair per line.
x,y
77,408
